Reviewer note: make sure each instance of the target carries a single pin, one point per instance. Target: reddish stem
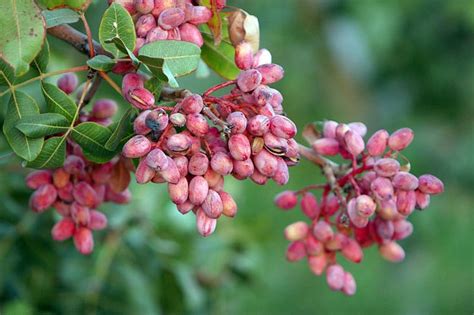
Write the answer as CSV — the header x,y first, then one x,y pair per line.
x,y
229,97
218,87
343,180
111,82
216,100
354,183
312,187
166,108
90,41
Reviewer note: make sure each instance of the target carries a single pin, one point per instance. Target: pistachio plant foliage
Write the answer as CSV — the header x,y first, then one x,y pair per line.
x,y
84,155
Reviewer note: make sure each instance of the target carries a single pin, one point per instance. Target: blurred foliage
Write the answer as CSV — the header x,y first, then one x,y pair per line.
x,y
389,63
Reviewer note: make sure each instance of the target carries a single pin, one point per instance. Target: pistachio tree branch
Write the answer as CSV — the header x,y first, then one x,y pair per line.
x,y
92,90
76,39
80,42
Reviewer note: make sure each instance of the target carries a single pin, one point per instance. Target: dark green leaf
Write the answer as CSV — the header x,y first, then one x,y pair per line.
x,y
154,65
42,60
52,155
159,69
121,46
100,158
220,58
169,75
117,22
58,101
154,85
22,33
92,138
21,105
6,74
43,125
60,16
101,63
181,57
120,130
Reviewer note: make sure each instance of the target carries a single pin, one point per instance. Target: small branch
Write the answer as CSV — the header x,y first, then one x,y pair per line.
x,y
216,120
328,167
87,86
111,82
77,39
165,108
312,156
311,187
220,101
43,76
93,89
355,185
89,35
218,87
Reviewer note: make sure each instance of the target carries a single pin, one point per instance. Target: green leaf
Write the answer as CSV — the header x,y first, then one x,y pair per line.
x,y
154,65
42,60
101,63
58,101
60,16
7,76
121,46
181,57
120,130
160,70
73,4
52,155
21,105
169,75
117,23
22,33
154,85
220,58
92,138
43,125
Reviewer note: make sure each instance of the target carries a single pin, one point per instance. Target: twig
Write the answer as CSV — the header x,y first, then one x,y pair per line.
x,y
77,39
111,82
43,76
93,89
315,158
328,167
89,35
312,187
216,120
218,87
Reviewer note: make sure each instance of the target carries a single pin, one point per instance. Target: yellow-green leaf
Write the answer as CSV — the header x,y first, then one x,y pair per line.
x,y
117,22
21,105
52,154
220,58
181,57
43,125
58,101
22,33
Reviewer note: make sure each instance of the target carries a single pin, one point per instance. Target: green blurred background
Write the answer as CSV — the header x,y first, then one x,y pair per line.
x,y
391,64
